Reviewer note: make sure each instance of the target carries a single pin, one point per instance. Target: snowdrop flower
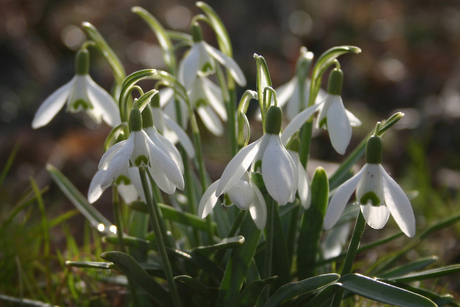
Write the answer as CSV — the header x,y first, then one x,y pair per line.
x,y
201,58
376,192
334,117
269,158
169,128
80,93
119,163
244,194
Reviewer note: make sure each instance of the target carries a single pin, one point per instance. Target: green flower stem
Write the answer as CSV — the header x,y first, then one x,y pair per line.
x,y
232,232
154,215
351,254
268,259
118,219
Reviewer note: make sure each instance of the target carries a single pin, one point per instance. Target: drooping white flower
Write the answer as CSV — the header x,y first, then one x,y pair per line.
x,y
333,116
81,93
376,192
201,60
303,182
244,194
278,169
118,163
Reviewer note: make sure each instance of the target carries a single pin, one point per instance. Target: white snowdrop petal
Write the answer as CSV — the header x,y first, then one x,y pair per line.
x,y
110,153
277,172
161,180
95,190
215,98
168,148
297,122
103,103
118,166
211,120
258,208
208,201
303,185
166,164
140,150
338,125
285,91
137,183
241,194
51,106
375,216
182,136
229,63
189,67
354,121
340,199
237,166
398,204
128,193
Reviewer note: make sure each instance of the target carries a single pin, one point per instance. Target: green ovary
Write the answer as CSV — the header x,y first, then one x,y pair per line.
x,y
370,197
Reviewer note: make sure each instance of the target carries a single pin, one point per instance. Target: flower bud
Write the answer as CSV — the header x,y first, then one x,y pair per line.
x,y
374,150
82,62
334,86
135,120
273,120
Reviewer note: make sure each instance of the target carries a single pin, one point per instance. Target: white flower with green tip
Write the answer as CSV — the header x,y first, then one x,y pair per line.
x,y
376,192
138,150
201,60
80,94
268,157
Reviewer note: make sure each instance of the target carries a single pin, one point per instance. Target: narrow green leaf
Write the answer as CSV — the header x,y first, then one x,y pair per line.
x,y
439,300
293,289
162,36
238,264
312,225
408,268
325,295
91,265
280,263
24,302
172,214
79,201
128,266
383,292
130,242
224,244
251,292
435,273
223,39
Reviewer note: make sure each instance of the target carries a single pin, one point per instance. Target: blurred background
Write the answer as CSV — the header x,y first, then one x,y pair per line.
x,y
410,63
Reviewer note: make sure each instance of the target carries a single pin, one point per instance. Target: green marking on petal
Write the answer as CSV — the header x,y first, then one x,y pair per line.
x,y
227,201
79,105
201,103
122,179
370,197
323,123
141,161
207,68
